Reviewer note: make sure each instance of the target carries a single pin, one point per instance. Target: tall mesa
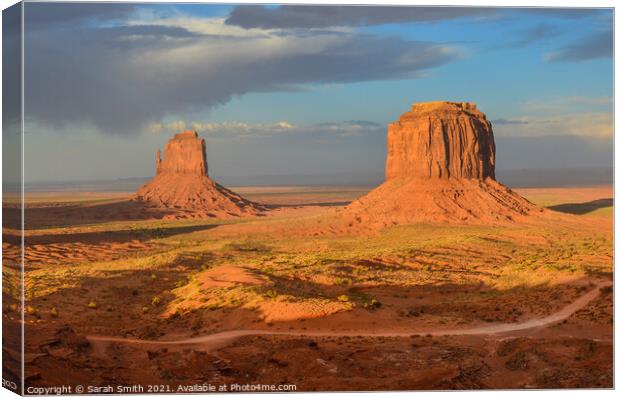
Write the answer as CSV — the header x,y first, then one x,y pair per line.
x,y
441,140
440,168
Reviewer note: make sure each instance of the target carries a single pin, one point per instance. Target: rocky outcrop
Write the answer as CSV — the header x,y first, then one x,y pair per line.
x,y
441,140
440,167
182,185
184,154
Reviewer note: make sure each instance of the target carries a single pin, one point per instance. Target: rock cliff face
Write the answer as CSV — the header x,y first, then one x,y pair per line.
x,y
440,168
441,140
184,154
182,185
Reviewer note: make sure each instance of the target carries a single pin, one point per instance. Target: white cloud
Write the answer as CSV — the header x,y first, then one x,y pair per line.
x,y
349,128
205,26
241,129
285,125
227,127
173,127
155,128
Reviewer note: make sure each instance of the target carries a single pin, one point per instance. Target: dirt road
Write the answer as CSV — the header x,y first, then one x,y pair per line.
x,y
220,339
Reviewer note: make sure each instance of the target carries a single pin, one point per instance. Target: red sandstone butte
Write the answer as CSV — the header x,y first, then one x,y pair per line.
x,y
182,184
441,140
440,168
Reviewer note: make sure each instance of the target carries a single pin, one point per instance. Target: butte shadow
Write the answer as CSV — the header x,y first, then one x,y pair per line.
x,y
583,208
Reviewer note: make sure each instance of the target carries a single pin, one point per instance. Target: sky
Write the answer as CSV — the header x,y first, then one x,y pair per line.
x,y
302,90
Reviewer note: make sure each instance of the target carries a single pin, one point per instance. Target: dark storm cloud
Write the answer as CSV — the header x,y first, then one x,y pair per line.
x,y
11,65
45,15
296,16
598,45
152,30
299,16
110,79
143,36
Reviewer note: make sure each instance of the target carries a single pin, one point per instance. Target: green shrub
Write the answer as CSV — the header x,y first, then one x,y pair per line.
x,y
374,304
342,281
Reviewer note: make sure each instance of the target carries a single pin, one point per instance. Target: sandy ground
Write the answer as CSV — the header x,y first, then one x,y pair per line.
x,y
301,307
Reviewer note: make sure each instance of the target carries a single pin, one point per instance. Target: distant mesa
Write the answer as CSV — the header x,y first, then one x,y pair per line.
x,y
182,184
440,168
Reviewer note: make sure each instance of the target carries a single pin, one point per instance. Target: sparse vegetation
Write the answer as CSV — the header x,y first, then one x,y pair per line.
x,y
373,304
342,281
443,276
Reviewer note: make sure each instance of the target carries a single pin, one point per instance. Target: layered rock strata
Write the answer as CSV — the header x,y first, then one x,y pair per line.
x,y
440,167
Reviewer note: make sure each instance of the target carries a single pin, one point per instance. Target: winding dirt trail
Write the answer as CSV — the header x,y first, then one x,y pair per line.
x,y
222,338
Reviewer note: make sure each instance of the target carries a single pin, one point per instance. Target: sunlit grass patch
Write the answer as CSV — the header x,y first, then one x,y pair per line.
x,y
310,276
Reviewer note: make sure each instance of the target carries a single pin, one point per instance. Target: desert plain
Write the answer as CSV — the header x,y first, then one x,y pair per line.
x,y
279,198
440,278
112,299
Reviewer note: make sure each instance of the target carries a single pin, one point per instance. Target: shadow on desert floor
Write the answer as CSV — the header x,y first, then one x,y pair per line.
x,y
583,208
115,236
80,214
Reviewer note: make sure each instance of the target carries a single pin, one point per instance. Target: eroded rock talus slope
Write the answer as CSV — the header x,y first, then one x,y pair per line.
x,y
440,168
182,185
